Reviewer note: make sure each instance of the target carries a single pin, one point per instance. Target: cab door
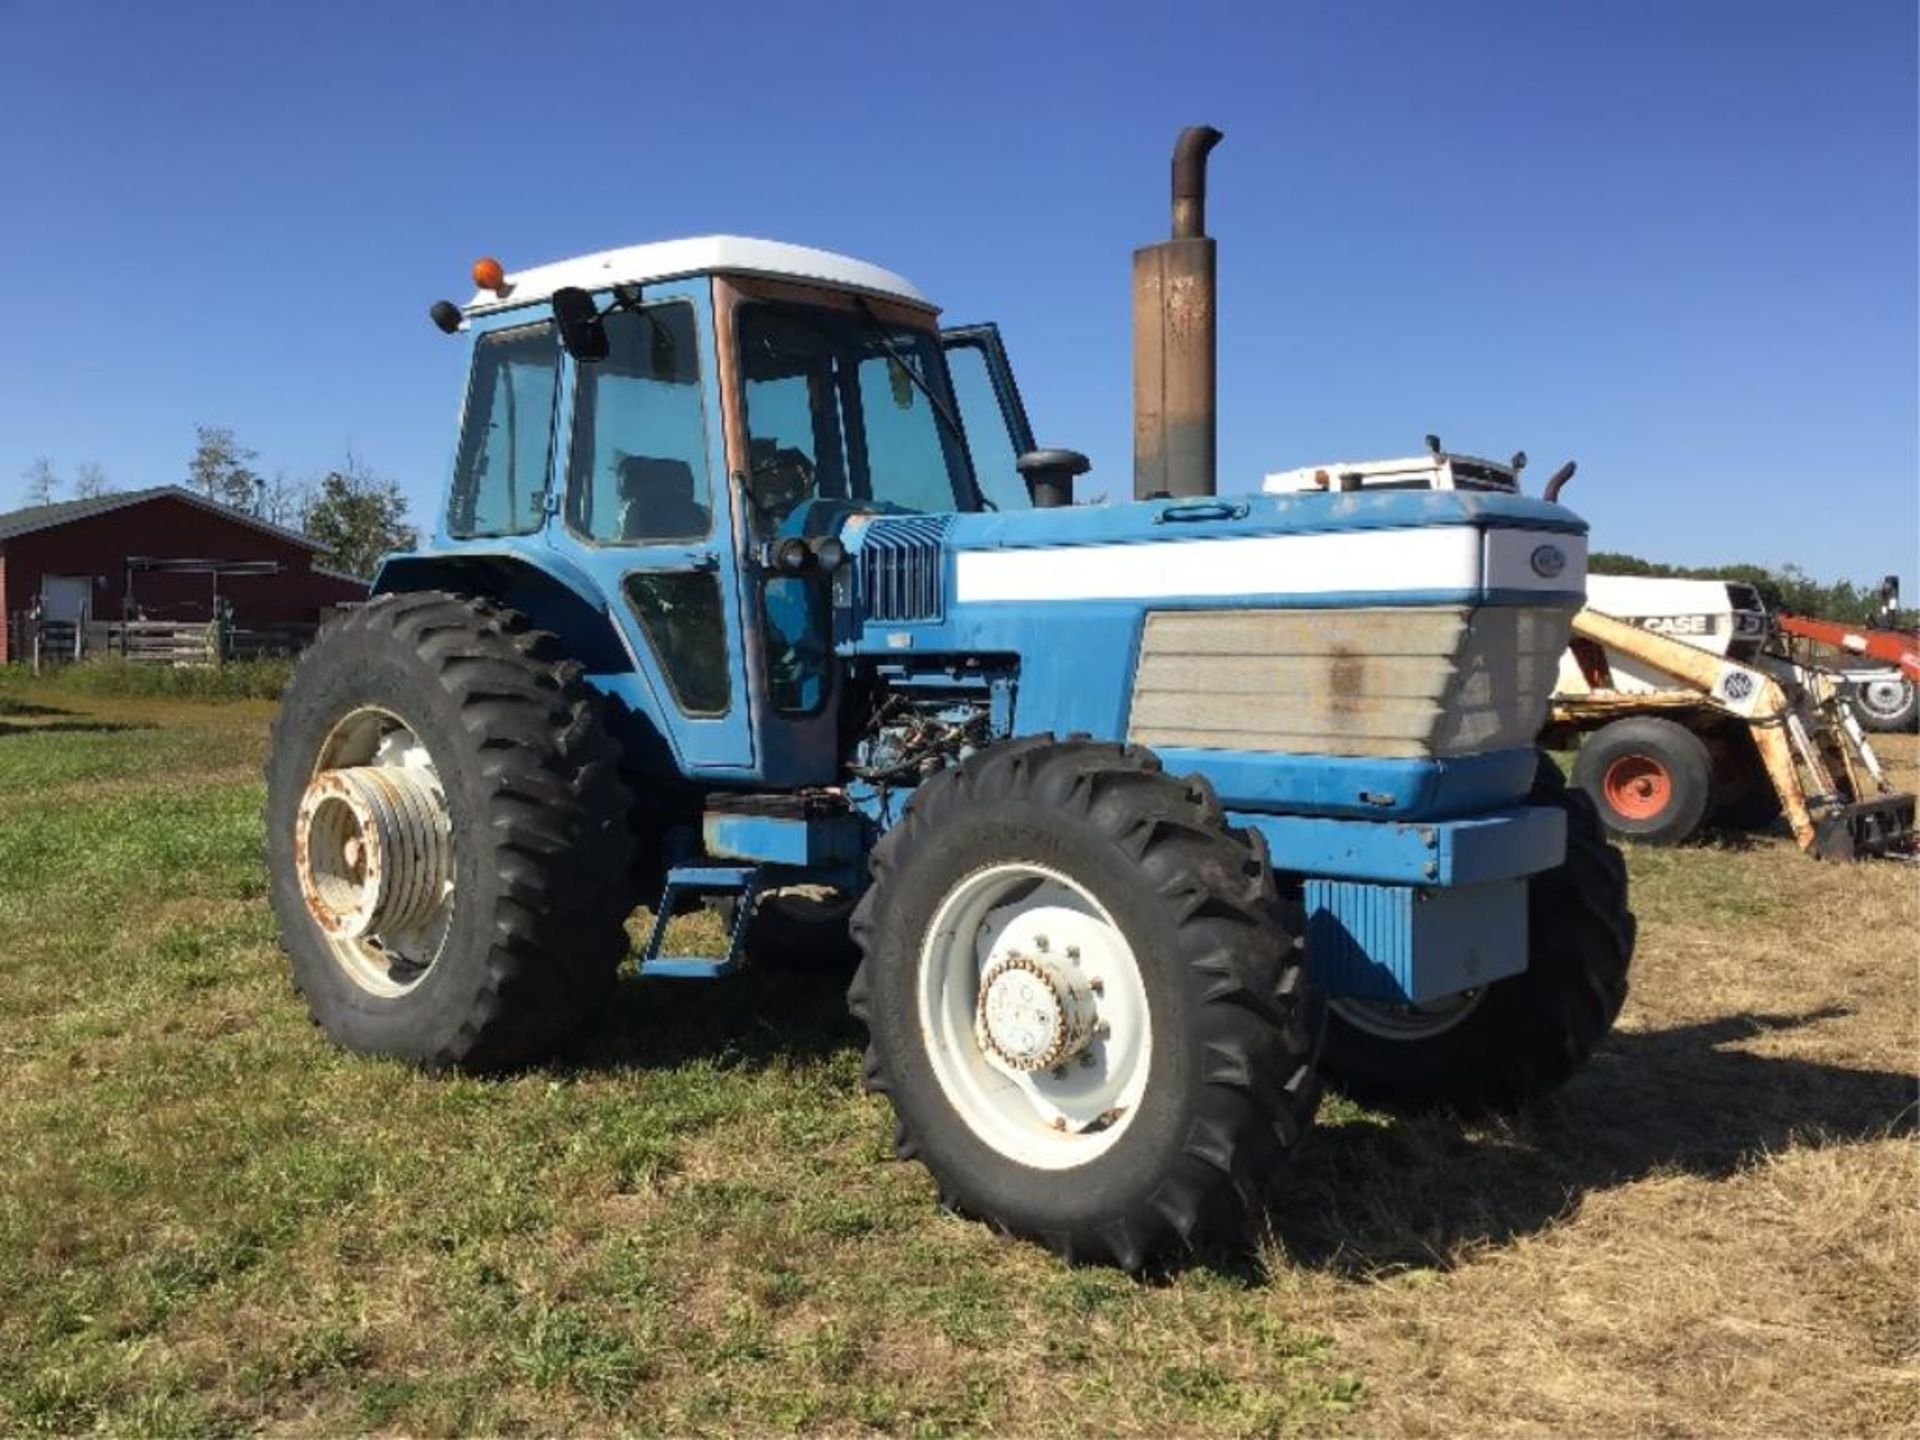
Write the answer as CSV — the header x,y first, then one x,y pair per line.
x,y
991,411
647,511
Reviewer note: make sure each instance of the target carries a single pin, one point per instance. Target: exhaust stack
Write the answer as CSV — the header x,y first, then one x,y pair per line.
x,y
1174,402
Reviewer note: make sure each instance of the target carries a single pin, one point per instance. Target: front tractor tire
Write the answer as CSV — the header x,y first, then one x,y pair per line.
x,y
1086,1001
1499,1046
447,834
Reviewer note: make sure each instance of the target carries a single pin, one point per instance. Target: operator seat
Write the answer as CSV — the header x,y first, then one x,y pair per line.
x,y
657,500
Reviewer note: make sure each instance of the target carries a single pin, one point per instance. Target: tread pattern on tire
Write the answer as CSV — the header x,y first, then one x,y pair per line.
x,y
1534,1030
1259,1023
555,819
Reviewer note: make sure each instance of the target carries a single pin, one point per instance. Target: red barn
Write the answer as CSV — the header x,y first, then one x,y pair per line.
x,y
117,557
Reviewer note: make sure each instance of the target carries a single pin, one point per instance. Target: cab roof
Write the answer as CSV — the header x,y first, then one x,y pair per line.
x,y
705,254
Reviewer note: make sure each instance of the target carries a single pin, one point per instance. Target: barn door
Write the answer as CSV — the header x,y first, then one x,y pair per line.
x,y
66,599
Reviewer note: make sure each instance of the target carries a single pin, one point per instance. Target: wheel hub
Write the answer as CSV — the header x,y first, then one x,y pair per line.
x,y
1638,787
1034,1012
373,848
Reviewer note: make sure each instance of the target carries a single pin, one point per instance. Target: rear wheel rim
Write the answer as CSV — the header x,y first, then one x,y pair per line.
x,y
374,853
1015,931
1637,787
1886,698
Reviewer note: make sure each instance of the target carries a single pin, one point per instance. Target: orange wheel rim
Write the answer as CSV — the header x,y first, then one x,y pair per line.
x,y
1638,787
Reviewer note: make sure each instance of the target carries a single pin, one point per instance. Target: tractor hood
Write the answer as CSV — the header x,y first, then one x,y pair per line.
x,y
1385,654
1398,548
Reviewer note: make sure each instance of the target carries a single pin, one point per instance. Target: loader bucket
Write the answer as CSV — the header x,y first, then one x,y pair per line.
x,y
1882,826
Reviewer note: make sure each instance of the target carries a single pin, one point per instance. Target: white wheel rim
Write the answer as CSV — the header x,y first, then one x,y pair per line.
x,y
1408,1022
1886,697
1069,1113
372,760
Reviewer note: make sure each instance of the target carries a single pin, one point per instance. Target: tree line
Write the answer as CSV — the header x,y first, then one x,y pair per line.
x,y
355,515
1785,588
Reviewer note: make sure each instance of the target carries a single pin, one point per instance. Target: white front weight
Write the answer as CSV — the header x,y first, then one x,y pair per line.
x,y
373,847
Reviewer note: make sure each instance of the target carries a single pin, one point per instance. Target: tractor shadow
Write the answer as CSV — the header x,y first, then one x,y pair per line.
x,y
1382,1193
1372,1193
752,1020
24,717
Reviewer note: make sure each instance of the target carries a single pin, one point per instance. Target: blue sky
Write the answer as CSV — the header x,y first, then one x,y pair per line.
x,y
1674,240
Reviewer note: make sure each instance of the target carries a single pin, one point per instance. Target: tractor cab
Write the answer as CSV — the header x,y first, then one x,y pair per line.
x,y
689,426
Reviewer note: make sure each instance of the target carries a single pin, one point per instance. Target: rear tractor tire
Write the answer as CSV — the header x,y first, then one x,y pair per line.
x,y
1650,779
1087,1003
1499,1046
1885,704
447,834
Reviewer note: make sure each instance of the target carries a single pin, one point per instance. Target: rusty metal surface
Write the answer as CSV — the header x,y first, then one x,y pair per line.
x,y
371,850
1190,153
1174,330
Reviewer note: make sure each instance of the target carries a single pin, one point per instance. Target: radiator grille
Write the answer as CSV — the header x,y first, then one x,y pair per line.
x,y
903,568
1438,681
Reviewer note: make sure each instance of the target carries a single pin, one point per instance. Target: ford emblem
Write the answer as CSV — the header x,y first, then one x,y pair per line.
x,y
1548,561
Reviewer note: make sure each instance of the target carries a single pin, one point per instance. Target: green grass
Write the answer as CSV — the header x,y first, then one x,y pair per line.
x,y
212,1221
236,680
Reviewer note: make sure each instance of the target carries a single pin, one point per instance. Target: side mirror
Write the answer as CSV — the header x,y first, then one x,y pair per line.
x,y
583,334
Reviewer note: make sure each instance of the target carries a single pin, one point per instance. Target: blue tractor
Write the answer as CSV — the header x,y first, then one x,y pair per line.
x,y
752,589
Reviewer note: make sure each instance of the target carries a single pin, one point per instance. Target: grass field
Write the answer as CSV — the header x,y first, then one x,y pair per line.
x,y
211,1221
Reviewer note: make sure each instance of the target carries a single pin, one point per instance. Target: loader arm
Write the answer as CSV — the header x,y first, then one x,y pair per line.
x,y
1801,731
1893,646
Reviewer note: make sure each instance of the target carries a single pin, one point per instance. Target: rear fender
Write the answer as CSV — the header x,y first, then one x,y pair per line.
x,y
554,594
558,596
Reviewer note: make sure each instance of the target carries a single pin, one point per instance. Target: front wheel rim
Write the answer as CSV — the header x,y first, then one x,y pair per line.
x,y
1403,1023
374,852
1034,1015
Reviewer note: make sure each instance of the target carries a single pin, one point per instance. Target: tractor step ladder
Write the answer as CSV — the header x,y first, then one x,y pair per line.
x,y
685,882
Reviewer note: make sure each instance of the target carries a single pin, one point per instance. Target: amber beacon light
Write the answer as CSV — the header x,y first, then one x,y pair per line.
x,y
488,275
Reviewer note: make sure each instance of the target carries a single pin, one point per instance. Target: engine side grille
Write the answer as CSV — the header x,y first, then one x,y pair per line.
x,y
1411,683
903,568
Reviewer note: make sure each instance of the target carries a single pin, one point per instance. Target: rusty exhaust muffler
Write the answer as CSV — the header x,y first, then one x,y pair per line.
x,y
1174,404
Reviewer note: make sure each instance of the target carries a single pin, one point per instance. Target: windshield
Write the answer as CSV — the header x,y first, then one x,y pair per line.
x,y
834,412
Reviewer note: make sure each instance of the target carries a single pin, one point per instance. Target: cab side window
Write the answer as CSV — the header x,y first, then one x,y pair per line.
x,y
506,436
637,466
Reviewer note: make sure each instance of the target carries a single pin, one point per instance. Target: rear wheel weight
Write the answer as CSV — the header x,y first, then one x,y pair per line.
x,y
1086,1001
1499,1046
447,834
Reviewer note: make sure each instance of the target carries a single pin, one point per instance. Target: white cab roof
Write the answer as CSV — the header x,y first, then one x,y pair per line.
x,y
672,259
